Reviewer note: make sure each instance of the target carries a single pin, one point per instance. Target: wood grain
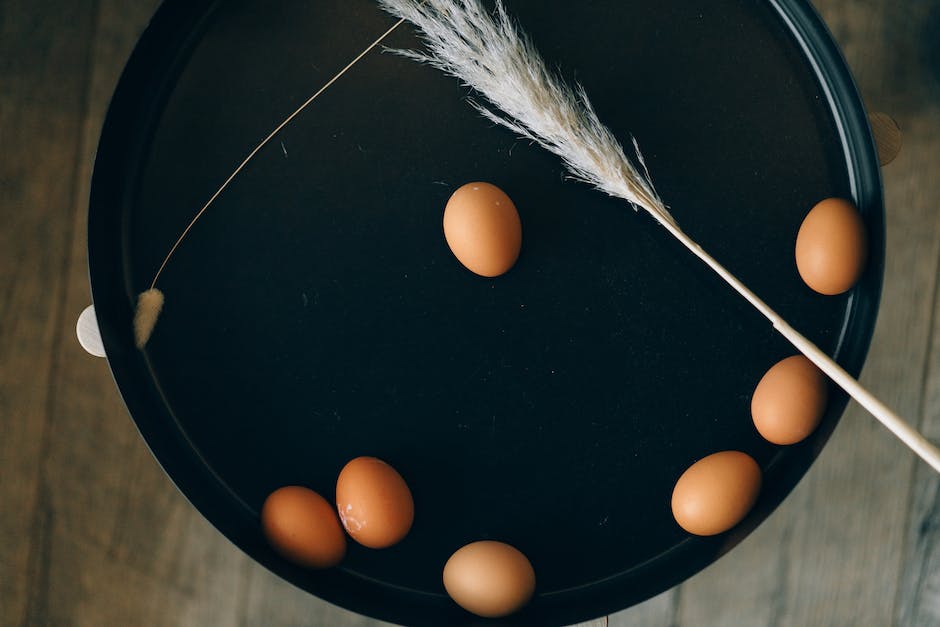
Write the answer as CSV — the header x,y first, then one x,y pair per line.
x,y
92,532
44,50
660,610
918,598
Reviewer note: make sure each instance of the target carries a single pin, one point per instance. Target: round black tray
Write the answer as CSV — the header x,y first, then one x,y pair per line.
x,y
316,314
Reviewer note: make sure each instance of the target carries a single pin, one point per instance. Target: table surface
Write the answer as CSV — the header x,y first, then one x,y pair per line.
x,y
93,533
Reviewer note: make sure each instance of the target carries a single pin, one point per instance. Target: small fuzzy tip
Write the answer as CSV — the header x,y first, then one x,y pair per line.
x,y
149,306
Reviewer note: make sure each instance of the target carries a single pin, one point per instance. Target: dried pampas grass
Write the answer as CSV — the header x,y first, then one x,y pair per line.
x,y
149,306
491,55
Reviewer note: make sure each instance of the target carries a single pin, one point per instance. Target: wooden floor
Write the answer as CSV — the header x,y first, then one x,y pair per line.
x,y
92,533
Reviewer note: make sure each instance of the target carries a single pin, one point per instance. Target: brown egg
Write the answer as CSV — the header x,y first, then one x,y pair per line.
x,y
789,401
303,527
716,493
374,503
489,579
482,228
831,247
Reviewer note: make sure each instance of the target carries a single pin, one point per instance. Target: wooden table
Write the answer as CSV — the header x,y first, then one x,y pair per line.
x,y
92,532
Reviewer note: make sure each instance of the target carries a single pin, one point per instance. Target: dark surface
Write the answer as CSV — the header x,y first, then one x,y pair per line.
x,y
315,313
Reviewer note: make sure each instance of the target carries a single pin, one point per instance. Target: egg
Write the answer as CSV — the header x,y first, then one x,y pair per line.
x,y
716,493
789,401
483,229
302,526
374,503
490,579
831,247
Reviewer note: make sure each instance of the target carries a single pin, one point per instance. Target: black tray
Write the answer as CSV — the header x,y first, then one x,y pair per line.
x,y
316,314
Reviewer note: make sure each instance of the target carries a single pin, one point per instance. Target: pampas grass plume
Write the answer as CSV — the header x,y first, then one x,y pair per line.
x,y
149,306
